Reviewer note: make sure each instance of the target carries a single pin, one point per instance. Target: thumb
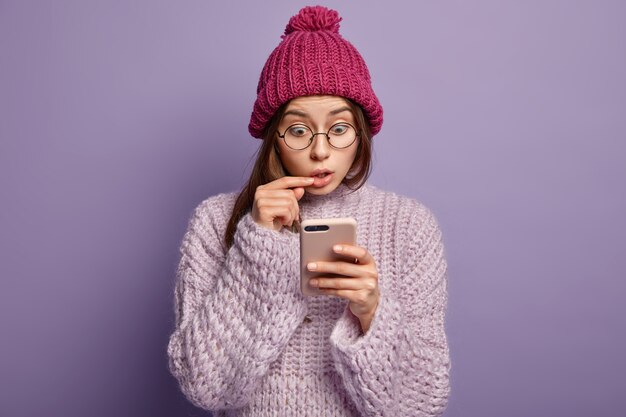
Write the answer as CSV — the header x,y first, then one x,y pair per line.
x,y
299,192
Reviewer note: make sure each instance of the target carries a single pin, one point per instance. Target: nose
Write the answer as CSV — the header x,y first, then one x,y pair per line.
x,y
320,148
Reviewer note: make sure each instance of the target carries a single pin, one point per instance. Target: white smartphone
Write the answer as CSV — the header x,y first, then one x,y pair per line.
x,y
317,238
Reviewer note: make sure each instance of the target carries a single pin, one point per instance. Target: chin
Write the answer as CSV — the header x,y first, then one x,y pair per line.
x,y
321,191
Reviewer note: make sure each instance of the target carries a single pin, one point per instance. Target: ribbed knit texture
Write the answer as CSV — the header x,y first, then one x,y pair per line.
x,y
248,343
313,59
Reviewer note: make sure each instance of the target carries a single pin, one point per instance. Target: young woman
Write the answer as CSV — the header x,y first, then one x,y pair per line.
x,y
247,342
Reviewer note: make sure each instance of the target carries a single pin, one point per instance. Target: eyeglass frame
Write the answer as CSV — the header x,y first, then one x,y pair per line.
x,y
327,134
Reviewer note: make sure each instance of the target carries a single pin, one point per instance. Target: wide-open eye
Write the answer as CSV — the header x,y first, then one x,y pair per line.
x,y
299,131
339,129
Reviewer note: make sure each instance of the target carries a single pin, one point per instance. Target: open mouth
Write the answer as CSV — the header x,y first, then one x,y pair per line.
x,y
321,172
322,178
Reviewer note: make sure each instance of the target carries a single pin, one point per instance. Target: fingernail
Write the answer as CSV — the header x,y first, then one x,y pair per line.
x,y
312,266
337,248
313,282
310,179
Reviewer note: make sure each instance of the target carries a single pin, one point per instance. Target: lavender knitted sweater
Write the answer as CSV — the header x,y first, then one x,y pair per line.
x,y
248,343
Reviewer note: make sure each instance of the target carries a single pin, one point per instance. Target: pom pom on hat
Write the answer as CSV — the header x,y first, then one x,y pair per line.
x,y
313,59
314,18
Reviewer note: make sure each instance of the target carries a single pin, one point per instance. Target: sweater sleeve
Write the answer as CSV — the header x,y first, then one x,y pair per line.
x,y
400,366
235,310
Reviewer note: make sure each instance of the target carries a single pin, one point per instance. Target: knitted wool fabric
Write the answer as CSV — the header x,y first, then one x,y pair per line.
x,y
313,59
248,343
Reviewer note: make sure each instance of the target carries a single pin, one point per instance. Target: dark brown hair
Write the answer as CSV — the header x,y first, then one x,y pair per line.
x,y
268,166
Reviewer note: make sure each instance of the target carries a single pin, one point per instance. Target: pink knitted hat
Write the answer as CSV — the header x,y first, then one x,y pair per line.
x,y
313,59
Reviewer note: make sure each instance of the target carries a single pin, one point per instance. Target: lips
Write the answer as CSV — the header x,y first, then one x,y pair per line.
x,y
322,177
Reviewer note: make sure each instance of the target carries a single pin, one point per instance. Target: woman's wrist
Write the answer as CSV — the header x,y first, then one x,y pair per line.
x,y
366,320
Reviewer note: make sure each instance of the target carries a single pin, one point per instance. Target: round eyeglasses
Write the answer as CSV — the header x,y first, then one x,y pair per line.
x,y
299,136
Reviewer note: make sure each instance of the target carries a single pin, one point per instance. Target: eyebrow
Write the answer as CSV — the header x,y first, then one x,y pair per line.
x,y
303,114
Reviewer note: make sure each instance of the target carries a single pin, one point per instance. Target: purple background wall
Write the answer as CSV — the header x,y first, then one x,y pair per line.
x,y
506,118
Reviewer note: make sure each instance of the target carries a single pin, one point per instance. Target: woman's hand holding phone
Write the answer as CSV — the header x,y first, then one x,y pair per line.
x,y
276,203
360,286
